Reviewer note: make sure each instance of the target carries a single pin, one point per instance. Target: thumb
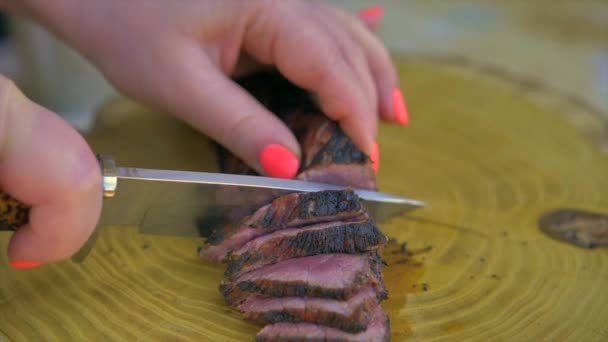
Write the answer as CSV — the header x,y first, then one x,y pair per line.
x,y
46,164
220,108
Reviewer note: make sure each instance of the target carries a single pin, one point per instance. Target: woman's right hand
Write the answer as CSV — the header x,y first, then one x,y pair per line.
x,y
47,165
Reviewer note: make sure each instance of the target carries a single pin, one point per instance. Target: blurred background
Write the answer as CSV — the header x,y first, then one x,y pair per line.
x,y
51,73
562,45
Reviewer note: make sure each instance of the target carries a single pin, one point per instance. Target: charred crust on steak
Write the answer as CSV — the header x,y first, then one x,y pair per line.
x,y
350,316
378,330
305,264
348,238
299,209
310,206
288,211
328,320
295,289
257,282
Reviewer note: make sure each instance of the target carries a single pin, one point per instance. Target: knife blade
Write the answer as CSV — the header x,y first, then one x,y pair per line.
x,y
190,204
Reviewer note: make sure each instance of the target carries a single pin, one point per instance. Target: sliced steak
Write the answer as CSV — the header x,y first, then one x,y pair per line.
x,y
351,315
323,238
334,276
293,210
378,330
306,264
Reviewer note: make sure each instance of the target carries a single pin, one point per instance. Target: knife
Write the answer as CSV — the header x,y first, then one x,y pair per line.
x,y
191,204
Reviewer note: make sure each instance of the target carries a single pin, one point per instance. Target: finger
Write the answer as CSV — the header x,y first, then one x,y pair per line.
x,y
391,107
304,53
204,97
371,16
355,57
46,164
390,99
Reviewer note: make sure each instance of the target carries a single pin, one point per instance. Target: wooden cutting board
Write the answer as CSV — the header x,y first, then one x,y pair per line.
x,y
486,155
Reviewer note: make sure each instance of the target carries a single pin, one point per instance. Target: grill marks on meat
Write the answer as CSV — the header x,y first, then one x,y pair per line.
x,y
328,155
324,238
352,315
378,330
333,276
308,208
323,141
289,211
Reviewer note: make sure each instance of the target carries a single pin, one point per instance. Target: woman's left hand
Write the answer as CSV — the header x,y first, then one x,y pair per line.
x,y
178,56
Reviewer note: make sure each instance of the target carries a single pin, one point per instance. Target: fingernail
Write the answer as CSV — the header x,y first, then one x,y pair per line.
x,y
279,162
25,264
399,108
372,13
375,157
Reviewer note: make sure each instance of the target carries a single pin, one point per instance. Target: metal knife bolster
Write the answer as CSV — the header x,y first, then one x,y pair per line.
x,y
109,174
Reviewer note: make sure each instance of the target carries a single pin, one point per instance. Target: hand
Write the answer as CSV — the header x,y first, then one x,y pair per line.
x,y
177,56
182,68
45,163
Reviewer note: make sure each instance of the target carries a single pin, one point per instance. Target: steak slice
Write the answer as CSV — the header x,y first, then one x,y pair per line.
x,y
289,211
323,238
352,315
378,330
328,154
334,276
341,174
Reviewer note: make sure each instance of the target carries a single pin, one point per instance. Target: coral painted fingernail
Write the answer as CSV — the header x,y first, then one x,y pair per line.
x,y
372,13
375,157
25,264
279,162
399,108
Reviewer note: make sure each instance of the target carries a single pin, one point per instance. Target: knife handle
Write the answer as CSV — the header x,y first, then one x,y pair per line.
x,y
14,214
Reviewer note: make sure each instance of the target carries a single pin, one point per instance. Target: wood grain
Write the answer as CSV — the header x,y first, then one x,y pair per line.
x,y
487,160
